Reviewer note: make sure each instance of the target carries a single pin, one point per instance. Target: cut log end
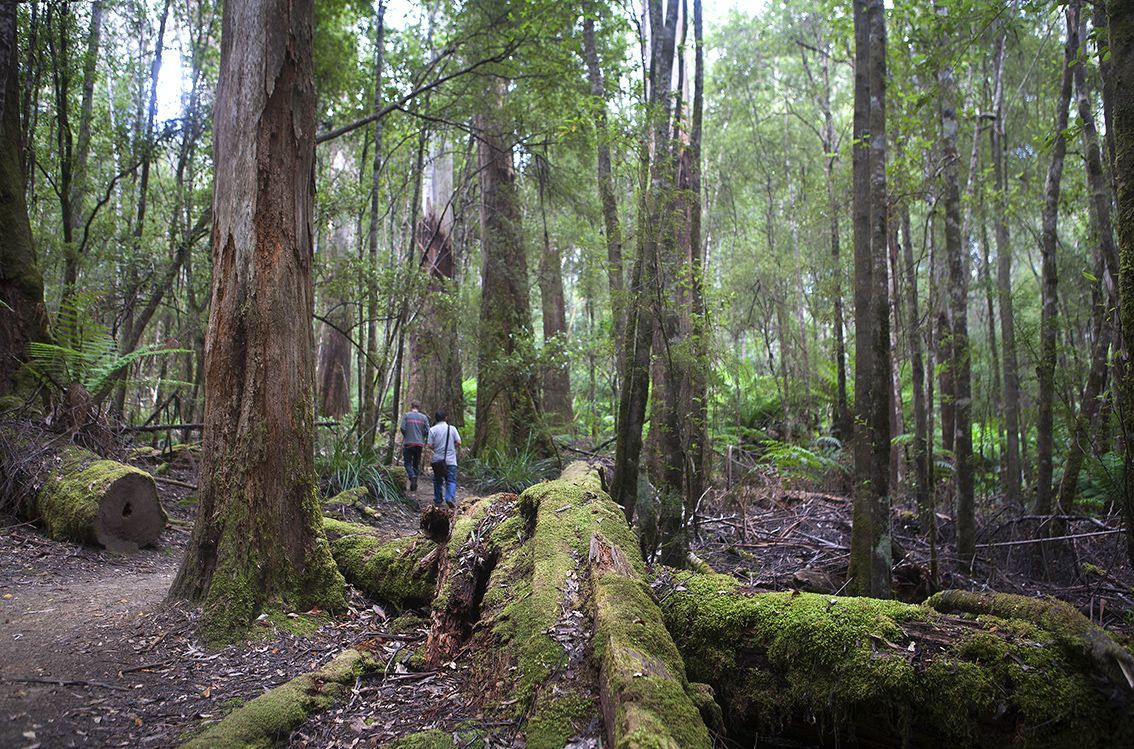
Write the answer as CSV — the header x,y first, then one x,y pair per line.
x,y
129,514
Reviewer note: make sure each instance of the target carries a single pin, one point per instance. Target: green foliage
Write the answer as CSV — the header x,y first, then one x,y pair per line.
x,y
812,466
345,468
87,354
498,471
1101,483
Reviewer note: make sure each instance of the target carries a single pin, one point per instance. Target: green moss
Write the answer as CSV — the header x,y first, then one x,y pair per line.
x,y
259,722
848,665
432,739
379,568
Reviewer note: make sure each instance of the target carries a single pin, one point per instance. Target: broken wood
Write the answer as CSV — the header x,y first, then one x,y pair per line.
x,y
80,497
548,592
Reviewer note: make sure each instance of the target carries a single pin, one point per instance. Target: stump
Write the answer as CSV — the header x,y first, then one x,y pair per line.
x,y
86,499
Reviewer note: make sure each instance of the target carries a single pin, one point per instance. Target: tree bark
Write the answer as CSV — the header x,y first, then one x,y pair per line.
x,y
23,317
258,534
1120,22
1049,299
869,573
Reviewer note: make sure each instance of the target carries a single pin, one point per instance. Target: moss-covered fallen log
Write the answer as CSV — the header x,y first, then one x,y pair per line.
x,y
83,498
571,643
821,668
546,593
402,571
262,722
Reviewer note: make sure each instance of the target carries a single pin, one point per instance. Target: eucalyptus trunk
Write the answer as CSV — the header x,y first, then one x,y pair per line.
x,y
869,571
1120,22
1049,299
259,531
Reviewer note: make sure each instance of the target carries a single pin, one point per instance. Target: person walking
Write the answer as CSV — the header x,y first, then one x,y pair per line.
x,y
444,439
415,429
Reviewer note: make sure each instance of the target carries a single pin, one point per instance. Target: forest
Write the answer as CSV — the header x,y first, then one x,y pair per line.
x,y
868,250
653,260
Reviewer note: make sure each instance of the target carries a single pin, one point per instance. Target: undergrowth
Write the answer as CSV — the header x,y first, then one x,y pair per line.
x,y
513,472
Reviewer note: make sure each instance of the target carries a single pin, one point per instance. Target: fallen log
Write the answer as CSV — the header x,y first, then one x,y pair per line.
x,y
546,596
402,571
80,497
819,668
262,721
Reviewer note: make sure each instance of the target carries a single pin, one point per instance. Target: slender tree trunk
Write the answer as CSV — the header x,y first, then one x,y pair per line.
x,y
1120,22
655,219
869,572
1107,270
916,338
958,305
134,328
1049,299
1011,481
368,408
557,401
259,532
81,186
612,227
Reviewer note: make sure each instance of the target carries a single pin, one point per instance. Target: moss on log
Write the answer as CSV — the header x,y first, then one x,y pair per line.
x,y
86,499
816,668
402,571
547,606
1061,619
260,723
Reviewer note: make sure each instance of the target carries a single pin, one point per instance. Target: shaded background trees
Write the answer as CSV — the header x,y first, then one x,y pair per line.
x,y
530,146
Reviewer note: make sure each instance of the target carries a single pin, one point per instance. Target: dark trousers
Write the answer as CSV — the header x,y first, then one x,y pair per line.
x,y
411,456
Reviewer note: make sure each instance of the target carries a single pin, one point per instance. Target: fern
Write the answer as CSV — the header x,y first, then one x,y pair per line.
x,y
91,358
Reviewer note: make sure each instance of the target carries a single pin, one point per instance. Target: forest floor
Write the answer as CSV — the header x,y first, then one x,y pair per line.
x,y
92,655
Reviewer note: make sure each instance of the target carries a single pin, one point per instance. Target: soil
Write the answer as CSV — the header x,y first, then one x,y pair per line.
x,y
91,654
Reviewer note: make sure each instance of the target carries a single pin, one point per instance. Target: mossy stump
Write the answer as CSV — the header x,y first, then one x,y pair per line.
x,y
88,500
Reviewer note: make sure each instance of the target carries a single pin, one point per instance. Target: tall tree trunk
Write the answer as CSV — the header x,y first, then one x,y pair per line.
x,y
259,532
1120,22
508,414
434,358
869,572
1049,298
1107,270
557,401
612,227
23,317
916,337
368,408
961,362
654,221
1011,482
135,327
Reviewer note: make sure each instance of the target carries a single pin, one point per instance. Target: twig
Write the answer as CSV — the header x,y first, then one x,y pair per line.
x,y
175,482
162,664
1053,538
62,683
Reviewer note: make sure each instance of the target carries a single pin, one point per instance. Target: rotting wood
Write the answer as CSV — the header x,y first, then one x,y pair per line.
x,y
81,497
